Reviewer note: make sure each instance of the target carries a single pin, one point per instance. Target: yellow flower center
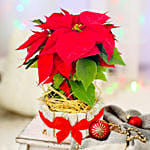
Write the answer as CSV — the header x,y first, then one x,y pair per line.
x,y
77,27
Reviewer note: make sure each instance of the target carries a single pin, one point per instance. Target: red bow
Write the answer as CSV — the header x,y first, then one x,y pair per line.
x,y
65,128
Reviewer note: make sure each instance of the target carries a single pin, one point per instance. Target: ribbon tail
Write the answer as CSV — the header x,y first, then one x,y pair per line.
x,y
46,121
77,135
62,135
98,116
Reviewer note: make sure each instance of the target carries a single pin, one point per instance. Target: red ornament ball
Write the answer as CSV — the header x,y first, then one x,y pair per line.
x,y
99,130
135,121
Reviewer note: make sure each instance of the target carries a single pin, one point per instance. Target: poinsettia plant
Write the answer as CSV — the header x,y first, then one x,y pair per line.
x,y
72,51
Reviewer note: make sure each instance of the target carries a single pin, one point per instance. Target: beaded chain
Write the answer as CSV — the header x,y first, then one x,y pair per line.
x,y
139,136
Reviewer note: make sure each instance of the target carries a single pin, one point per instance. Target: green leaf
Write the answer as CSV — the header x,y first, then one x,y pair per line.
x,y
58,79
100,74
62,92
86,71
115,59
41,47
94,58
109,24
86,96
37,21
101,68
35,65
101,49
30,62
74,77
28,47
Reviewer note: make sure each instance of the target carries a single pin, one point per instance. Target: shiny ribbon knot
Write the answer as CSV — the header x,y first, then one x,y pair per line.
x,y
65,127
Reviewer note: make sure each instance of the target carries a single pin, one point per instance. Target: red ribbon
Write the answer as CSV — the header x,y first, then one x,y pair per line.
x,y
65,128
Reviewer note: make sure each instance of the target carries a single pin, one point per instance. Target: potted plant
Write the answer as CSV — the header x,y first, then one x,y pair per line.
x,y
71,52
